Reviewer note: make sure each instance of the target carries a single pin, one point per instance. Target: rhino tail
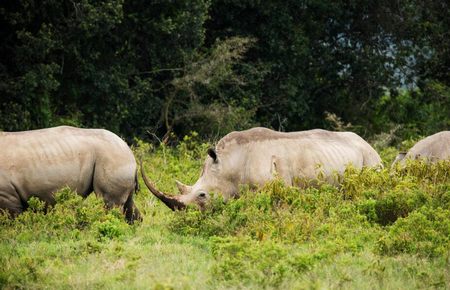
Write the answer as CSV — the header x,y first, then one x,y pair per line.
x,y
136,182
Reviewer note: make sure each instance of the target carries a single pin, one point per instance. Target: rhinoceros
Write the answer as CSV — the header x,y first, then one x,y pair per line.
x,y
255,156
432,148
39,162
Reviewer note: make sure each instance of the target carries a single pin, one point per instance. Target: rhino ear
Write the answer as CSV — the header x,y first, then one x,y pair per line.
x,y
212,154
183,188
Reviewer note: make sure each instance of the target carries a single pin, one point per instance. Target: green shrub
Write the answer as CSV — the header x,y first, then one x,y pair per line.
x,y
74,227
71,211
111,226
70,215
425,231
266,263
396,204
36,205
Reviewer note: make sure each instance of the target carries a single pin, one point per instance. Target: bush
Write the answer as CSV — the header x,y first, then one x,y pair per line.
x,y
393,204
70,215
73,227
111,226
265,263
425,231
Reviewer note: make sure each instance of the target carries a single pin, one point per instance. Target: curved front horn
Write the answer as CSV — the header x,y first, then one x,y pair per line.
x,y
171,201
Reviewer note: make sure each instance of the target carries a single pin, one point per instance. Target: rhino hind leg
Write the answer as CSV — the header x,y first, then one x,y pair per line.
x,y
117,192
131,211
10,204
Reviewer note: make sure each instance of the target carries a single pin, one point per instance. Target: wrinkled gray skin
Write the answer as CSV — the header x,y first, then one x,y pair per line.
x,y
254,157
39,162
432,148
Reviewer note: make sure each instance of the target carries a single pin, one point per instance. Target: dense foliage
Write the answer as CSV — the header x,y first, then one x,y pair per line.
x,y
379,229
153,67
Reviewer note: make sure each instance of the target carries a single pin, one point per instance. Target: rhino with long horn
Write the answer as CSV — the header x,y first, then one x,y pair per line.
x,y
256,156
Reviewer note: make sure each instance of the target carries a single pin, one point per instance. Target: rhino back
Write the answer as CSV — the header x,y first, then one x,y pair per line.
x,y
297,154
260,134
41,161
434,147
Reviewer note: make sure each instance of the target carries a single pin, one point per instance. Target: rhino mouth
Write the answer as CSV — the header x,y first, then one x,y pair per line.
x,y
171,201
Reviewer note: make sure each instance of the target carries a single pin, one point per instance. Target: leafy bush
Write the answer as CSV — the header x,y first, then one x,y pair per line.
x,y
289,214
37,234
425,231
265,263
111,226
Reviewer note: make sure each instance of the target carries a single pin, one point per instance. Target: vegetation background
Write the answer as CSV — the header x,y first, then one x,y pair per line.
x,y
152,68
379,230
155,71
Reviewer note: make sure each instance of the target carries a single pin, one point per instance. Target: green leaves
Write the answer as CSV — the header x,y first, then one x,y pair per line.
x,y
425,232
215,66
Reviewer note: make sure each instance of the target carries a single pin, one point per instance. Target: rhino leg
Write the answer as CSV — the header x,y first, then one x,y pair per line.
x,y
131,212
277,170
112,199
116,187
11,203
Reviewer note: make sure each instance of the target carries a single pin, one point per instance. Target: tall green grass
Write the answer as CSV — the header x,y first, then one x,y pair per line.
x,y
385,229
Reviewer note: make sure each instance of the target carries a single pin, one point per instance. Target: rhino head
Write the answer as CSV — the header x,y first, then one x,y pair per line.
x,y
399,158
216,176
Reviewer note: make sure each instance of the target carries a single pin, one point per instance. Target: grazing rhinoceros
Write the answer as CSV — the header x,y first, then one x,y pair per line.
x,y
39,162
255,156
432,148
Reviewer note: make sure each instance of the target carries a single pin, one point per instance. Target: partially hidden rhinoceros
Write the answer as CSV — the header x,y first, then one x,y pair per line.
x,y
39,162
255,156
432,148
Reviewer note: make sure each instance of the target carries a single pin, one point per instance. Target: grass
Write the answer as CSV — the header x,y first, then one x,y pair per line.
x,y
387,229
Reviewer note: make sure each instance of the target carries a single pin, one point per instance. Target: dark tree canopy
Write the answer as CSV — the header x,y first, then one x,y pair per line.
x,y
138,67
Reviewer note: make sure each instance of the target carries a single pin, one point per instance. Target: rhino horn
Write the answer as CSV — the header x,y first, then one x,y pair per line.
x,y
183,188
171,201
399,158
